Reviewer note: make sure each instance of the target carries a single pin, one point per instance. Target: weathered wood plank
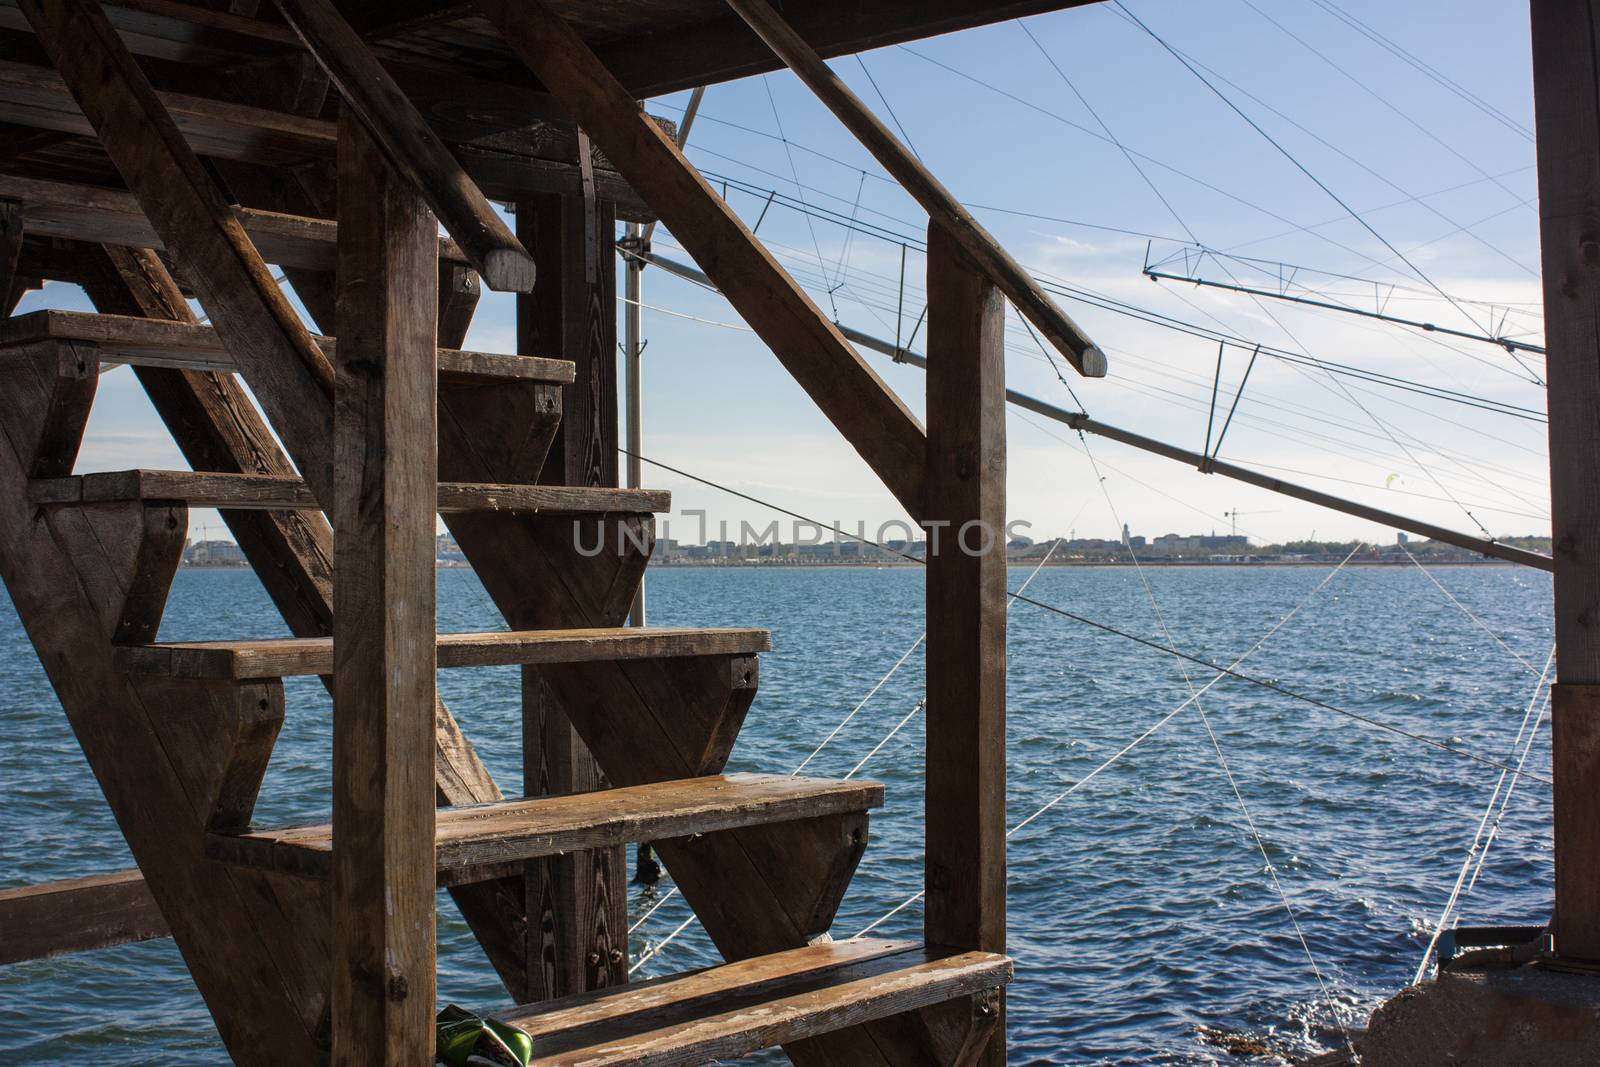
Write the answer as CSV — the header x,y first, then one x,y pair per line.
x,y
108,216
287,657
486,835
188,345
410,145
183,33
741,1007
875,422
37,97
277,492
966,615
11,221
1566,69
942,207
386,449
34,97
53,919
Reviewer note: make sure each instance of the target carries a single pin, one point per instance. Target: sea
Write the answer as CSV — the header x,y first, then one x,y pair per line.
x,y
1266,866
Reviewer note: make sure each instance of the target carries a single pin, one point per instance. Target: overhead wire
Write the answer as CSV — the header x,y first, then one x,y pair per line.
x,y
1138,740
1339,385
1295,161
1105,627
895,730
1477,837
1460,90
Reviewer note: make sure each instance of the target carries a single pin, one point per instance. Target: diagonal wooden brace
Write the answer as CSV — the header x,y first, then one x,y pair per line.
x,y
411,146
875,421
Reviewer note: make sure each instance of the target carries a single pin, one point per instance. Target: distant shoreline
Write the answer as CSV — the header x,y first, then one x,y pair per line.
x,y
1022,563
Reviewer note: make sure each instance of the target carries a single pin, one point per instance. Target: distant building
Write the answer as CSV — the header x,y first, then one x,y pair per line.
x,y
445,550
213,554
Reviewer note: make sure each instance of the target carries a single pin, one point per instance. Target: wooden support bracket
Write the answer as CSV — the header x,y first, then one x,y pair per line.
x,y
411,146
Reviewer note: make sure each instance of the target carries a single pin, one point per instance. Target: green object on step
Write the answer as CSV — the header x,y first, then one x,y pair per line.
x,y
461,1033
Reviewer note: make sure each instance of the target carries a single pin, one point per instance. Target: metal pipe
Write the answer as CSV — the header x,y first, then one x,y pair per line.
x,y
1504,342
632,350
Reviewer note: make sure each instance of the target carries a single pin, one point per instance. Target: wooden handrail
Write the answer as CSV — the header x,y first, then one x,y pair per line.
x,y
942,207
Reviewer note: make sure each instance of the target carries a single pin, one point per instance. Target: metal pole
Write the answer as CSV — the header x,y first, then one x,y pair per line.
x,y
632,349
638,239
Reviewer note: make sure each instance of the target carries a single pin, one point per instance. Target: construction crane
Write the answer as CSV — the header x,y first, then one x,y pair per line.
x,y
1233,518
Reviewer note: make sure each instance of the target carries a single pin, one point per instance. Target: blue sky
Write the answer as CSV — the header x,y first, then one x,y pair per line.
x,y
1438,178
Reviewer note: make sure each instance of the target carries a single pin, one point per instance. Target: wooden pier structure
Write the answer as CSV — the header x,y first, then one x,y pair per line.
x,y
157,151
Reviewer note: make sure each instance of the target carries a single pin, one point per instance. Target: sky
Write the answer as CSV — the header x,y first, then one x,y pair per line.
x,y
1308,136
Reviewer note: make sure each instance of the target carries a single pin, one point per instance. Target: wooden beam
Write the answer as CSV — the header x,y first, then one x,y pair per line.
x,y
272,346
879,426
580,942
385,441
53,919
183,33
966,617
109,216
35,97
657,49
1566,89
942,208
10,254
411,146
505,167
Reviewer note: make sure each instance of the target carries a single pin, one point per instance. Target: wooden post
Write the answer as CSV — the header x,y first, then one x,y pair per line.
x,y
578,903
1566,88
385,447
10,252
965,514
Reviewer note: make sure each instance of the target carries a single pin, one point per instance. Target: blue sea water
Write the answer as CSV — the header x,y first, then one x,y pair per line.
x,y
1141,908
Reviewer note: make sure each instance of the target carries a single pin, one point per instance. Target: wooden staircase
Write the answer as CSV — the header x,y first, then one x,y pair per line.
x,y
314,942
692,686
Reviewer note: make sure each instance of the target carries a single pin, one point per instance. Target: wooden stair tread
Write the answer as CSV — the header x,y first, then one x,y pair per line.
x,y
288,657
154,342
480,836
276,493
736,1008
110,216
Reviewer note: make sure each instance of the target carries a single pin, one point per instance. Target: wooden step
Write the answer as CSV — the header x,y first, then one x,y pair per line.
x,y
261,492
736,1008
109,216
157,343
473,842
288,657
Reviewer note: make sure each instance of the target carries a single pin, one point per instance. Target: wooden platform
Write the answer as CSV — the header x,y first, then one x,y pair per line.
x,y
470,839
738,1008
